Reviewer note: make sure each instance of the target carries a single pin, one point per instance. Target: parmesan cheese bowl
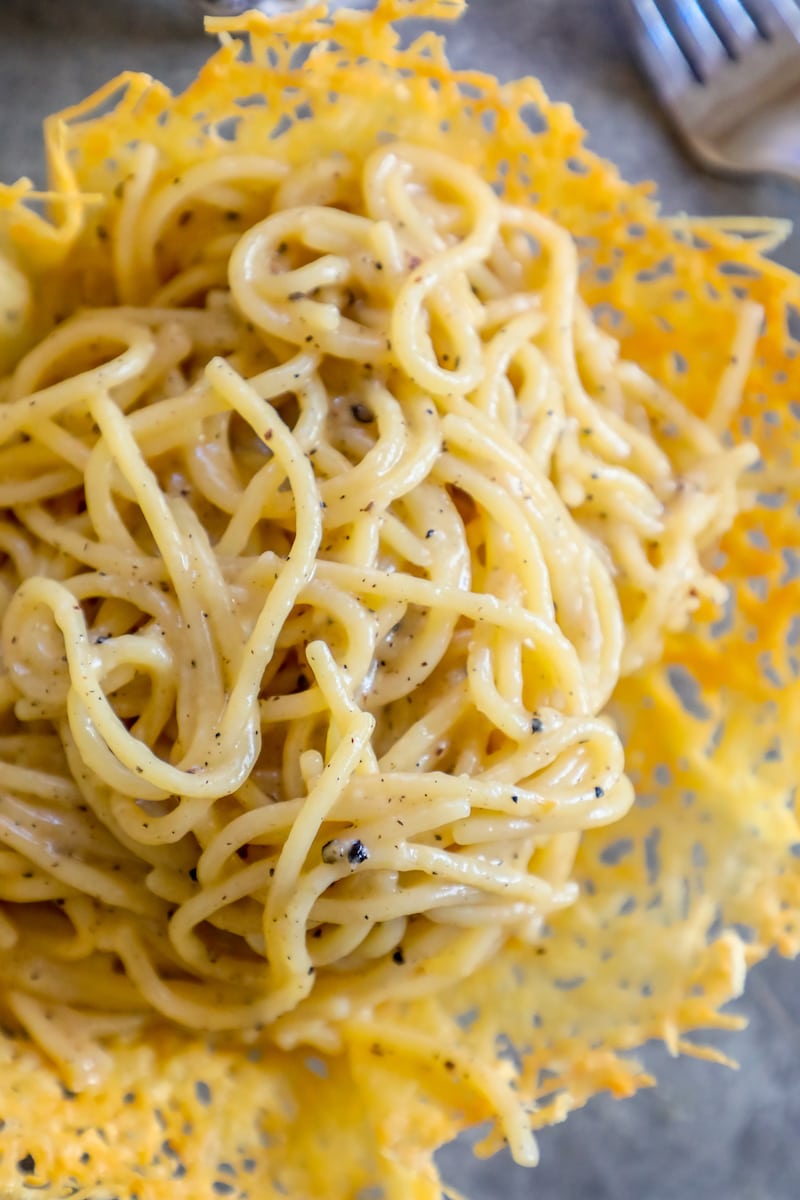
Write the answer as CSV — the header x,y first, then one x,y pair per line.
x,y
382,1049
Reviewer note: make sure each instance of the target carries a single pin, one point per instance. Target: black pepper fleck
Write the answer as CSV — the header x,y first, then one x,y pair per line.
x,y
358,852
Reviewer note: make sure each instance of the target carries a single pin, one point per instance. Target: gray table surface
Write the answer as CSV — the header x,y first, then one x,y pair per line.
x,y
703,1132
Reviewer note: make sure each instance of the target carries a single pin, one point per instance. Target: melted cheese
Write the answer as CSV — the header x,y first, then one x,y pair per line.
x,y
713,834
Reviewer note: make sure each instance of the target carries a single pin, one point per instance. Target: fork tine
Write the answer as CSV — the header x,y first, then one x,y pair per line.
x,y
663,58
776,17
733,23
697,35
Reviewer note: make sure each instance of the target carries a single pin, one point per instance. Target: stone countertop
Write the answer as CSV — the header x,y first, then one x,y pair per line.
x,y
703,1132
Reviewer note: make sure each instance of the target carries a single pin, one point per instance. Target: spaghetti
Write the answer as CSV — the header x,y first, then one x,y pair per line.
x,y
170,442
331,522
325,549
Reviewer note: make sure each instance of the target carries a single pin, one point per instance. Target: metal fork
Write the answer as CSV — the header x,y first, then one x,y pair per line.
x,y
728,74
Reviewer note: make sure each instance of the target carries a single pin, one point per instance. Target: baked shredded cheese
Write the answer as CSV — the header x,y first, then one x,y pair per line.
x,y
707,847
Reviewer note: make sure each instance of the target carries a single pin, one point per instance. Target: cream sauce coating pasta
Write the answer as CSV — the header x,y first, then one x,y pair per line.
x,y
324,550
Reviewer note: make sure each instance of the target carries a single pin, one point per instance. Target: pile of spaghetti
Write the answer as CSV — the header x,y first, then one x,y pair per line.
x,y
331,520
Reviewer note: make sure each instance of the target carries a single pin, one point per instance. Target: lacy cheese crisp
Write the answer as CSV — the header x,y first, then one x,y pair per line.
x,y
399,592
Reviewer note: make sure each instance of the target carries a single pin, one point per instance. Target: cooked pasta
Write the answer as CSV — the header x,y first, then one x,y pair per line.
x,y
326,542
